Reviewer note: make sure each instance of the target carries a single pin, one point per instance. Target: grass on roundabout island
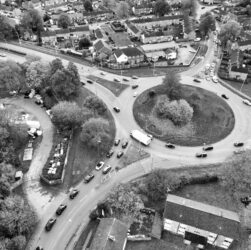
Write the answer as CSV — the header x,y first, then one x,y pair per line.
x,y
213,119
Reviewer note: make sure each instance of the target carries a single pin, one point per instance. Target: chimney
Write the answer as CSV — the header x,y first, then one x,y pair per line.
x,y
111,237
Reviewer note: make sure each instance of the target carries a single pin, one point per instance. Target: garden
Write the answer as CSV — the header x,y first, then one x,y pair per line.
x,y
181,114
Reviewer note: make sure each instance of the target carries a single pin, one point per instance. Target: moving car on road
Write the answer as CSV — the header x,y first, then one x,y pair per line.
x,y
110,153
135,86
116,142
73,193
239,144
196,80
208,148
170,145
116,109
247,102
88,178
134,77
125,79
90,81
50,224
201,155
116,80
99,165
135,94
120,154
61,209
107,169
224,96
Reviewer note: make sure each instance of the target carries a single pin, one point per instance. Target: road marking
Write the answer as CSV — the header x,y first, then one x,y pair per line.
x,y
70,220
83,199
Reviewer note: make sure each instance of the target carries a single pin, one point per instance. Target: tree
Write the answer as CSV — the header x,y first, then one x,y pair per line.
x,y
32,21
66,115
88,5
122,10
71,67
172,86
207,23
4,187
125,203
109,3
64,21
229,31
161,8
6,30
190,6
55,65
84,43
95,104
36,73
17,243
96,134
158,182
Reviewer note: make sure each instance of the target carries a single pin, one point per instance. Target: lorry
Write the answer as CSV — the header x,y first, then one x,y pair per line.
x,y
141,137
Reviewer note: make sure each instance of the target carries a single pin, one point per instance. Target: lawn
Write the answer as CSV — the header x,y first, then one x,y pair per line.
x,y
83,159
208,109
115,87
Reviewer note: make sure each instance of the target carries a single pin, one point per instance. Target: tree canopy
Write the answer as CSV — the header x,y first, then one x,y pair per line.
x,y
122,10
207,23
173,86
64,21
84,43
6,30
88,5
161,8
95,104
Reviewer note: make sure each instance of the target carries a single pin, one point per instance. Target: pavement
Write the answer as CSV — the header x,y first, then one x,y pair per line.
x,y
65,232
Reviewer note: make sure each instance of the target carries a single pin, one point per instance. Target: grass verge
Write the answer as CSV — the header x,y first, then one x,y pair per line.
x,y
115,87
208,109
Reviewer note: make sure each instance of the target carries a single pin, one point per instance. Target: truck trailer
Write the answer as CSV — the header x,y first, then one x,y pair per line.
x,y
141,137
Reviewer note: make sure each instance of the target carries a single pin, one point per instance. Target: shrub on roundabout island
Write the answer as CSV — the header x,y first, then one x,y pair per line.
x,y
178,111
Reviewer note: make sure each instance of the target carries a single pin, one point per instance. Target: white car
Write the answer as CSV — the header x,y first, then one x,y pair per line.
x,y
215,80
99,165
3,55
212,65
102,73
247,102
135,94
116,80
197,39
208,78
207,66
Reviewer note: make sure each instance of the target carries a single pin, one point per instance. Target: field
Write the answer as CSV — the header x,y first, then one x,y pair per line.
x,y
208,109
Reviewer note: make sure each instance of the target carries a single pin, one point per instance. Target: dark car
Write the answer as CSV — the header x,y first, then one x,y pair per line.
x,y
61,209
116,109
224,96
116,142
83,83
89,81
39,248
26,94
110,153
135,86
50,224
73,193
120,154
88,178
106,169
238,144
246,200
147,211
208,148
201,155
170,145
125,79
196,80
124,144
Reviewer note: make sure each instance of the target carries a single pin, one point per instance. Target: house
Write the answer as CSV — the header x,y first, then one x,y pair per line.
x,y
48,36
130,55
238,73
245,45
132,29
211,2
102,47
154,37
200,223
110,235
139,10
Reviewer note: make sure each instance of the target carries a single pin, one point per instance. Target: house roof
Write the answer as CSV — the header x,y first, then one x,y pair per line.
x,y
98,34
48,33
132,27
132,52
80,28
234,57
98,45
101,46
118,53
203,216
110,235
244,43
240,69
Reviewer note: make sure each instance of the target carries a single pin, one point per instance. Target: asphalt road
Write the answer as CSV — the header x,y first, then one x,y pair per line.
x,y
69,225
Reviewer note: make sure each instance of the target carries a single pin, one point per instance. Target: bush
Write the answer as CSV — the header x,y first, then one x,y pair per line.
x,y
179,112
151,93
95,104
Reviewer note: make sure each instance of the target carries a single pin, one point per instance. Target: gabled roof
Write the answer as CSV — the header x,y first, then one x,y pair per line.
x,y
48,33
110,235
118,53
98,45
132,52
203,216
101,46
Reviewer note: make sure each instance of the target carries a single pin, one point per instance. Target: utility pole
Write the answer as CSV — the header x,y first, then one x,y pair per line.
x,y
242,85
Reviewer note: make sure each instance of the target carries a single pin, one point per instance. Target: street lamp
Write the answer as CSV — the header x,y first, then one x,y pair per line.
x,y
99,142
242,85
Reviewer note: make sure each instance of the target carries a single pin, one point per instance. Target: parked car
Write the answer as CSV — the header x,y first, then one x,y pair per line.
x,y
135,94
134,77
197,39
125,79
116,109
116,80
106,169
246,200
99,165
239,144
110,153
224,96
239,151
201,155
135,86
73,193
150,136
88,178
102,73
124,144
170,145
196,80
90,81
26,94
116,142
208,148
247,102
61,209
120,154
50,224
